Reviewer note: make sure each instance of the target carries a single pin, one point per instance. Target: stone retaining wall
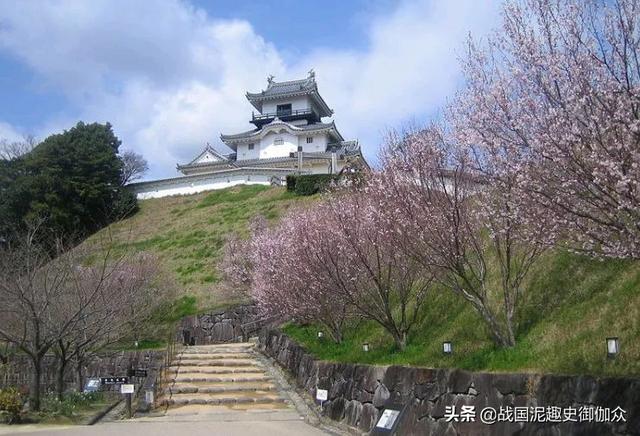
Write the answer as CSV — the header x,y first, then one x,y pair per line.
x,y
220,326
17,372
358,394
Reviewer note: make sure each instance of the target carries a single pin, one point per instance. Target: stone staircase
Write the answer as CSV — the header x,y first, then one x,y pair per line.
x,y
229,375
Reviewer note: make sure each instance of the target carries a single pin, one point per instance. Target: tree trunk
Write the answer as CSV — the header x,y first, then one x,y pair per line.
x,y
400,339
336,334
62,366
499,337
79,362
36,377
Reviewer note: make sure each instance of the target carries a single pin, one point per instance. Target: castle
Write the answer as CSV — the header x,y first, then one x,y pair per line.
x,y
289,137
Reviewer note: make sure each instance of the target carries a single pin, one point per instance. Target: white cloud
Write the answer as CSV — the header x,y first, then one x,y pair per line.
x,y
9,133
170,78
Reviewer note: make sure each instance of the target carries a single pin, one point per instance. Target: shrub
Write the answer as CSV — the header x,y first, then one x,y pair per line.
x,y
72,401
10,405
291,183
310,184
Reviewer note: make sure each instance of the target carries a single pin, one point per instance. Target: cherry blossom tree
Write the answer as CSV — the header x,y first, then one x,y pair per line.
x,y
54,301
456,224
293,276
112,298
338,257
377,277
553,98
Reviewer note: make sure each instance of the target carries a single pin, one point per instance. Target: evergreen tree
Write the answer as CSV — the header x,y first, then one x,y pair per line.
x,y
72,180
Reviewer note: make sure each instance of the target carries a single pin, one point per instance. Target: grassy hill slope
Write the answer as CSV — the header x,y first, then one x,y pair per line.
x,y
187,233
572,304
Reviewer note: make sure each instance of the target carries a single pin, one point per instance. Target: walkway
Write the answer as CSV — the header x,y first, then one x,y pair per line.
x,y
226,389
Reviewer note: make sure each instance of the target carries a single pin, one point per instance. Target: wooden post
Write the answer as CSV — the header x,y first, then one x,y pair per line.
x,y
128,400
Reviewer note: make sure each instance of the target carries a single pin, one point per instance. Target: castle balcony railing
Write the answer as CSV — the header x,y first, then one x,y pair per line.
x,y
284,115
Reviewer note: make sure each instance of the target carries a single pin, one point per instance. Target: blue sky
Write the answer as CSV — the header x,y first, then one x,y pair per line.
x,y
171,75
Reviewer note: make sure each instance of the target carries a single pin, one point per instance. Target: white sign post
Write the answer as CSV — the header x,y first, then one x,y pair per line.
x,y
127,390
322,395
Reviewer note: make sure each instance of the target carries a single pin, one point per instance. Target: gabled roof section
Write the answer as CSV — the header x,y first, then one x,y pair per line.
x,y
293,88
207,156
278,125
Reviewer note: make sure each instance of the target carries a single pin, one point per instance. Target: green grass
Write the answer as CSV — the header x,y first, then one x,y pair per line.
x,y
573,304
188,233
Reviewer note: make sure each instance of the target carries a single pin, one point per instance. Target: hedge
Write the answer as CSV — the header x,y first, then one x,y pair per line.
x,y
310,184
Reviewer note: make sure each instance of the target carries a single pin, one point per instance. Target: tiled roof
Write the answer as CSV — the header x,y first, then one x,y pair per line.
x,y
277,89
304,128
292,88
207,149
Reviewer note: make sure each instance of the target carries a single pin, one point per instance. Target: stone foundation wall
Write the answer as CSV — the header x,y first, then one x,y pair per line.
x,y
358,394
17,371
219,327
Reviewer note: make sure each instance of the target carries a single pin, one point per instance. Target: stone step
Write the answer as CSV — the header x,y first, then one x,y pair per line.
x,y
218,350
228,388
218,378
220,362
214,356
215,347
223,399
216,369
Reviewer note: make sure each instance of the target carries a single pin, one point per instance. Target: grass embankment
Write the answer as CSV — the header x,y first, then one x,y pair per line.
x,y
187,234
573,304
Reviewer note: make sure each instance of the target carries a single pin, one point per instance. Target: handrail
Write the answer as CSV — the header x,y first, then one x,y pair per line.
x,y
287,113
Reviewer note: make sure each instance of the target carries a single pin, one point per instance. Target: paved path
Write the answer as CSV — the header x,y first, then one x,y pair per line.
x,y
226,389
192,428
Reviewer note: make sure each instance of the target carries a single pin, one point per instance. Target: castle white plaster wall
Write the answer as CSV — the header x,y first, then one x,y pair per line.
x,y
302,102
269,150
188,186
319,143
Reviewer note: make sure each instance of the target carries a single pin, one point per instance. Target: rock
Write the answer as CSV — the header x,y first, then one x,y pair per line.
x,y
353,412
368,417
359,392
381,395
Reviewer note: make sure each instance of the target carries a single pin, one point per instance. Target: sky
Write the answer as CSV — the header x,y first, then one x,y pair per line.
x,y
171,75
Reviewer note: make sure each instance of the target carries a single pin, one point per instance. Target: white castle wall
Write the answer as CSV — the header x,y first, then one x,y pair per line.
x,y
296,104
191,185
266,148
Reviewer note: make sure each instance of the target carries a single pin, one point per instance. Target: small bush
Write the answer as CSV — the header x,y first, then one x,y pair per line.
x,y
291,183
72,401
310,184
10,405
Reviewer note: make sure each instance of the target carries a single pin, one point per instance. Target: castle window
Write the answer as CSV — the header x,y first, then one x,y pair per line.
x,y
309,139
282,110
278,141
251,146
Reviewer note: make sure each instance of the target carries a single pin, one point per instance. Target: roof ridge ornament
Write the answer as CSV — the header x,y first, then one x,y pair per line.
x,y
312,74
270,78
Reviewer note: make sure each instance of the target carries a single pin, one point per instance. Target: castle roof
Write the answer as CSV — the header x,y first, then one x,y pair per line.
x,y
278,126
208,150
343,149
293,88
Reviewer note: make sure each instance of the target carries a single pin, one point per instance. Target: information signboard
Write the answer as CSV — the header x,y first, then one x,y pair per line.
x,y
113,380
92,385
322,394
389,419
127,389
